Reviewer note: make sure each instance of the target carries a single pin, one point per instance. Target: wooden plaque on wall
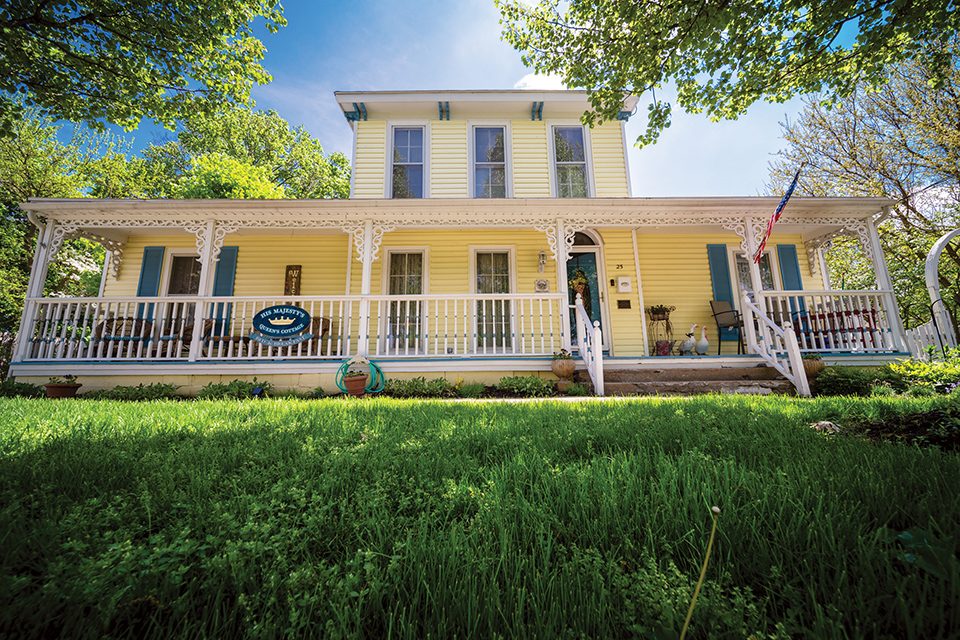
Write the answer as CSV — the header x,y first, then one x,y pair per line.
x,y
291,284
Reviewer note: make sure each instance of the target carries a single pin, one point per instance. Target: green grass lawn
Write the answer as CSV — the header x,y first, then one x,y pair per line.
x,y
384,518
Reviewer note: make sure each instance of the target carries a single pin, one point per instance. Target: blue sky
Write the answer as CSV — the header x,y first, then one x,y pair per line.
x,y
455,44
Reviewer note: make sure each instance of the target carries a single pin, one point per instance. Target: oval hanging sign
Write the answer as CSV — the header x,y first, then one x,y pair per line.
x,y
281,321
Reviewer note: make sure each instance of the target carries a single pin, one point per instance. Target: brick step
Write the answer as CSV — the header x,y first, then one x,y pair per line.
x,y
760,380
697,387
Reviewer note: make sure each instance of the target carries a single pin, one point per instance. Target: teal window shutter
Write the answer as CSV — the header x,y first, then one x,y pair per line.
x,y
790,272
720,278
150,269
223,280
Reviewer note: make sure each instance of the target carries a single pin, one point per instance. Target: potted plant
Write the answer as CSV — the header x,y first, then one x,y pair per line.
x,y
62,387
356,383
660,312
812,365
563,365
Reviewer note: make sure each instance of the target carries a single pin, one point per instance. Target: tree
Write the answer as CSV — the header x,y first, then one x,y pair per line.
x,y
293,159
122,60
724,56
900,140
35,164
216,175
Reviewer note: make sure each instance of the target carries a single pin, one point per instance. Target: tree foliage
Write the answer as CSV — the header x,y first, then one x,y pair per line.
x,y
724,56
216,175
900,140
122,60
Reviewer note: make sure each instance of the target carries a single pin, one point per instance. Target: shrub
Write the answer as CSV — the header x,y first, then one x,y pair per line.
x,y
472,389
855,381
576,390
10,388
527,386
419,387
941,376
238,389
155,391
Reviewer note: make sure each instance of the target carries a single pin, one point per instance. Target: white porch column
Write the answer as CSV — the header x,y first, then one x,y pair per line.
x,y
751,250
38,276
366,258
883,279
205,287
562,256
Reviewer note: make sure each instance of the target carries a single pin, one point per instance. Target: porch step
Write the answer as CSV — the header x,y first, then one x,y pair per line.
x,y
687,382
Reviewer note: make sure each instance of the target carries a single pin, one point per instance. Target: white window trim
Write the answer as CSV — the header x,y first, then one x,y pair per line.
x,y
472,155
388,169
504,248
385,275
168,257
552,154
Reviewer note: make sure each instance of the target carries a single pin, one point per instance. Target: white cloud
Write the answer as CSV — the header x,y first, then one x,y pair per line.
x,y
538,82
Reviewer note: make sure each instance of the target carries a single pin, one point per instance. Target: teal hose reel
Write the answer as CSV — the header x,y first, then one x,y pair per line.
x,y
376,381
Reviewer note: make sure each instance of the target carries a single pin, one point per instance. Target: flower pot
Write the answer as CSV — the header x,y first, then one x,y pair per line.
x,y
563,384
62,389
813,367
563,368
356,385
657,317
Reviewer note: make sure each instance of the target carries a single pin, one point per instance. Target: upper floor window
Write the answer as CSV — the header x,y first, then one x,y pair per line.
x,y
571,162
489,172
408,162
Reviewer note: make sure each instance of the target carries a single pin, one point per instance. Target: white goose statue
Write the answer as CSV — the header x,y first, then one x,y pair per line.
x,y
703,346
688,344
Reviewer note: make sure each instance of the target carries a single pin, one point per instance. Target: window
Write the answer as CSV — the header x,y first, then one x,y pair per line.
x,y
571,162
493,316
184,276
184,280
408,162
405,318
743,273
490,173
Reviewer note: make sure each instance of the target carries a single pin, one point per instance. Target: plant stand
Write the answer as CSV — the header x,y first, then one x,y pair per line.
x,y
62,389
660,332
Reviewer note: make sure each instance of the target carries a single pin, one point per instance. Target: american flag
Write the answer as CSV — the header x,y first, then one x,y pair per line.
x,y
776,217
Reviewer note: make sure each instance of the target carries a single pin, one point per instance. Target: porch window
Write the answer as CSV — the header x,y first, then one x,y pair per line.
x,y
184,280
405,316
493,316
743,273
490,173
570,160
408,162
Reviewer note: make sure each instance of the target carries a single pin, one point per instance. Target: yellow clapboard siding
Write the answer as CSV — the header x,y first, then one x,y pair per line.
x,y
261,263
126,284
531,163
369,165
626,332
609,166
448,159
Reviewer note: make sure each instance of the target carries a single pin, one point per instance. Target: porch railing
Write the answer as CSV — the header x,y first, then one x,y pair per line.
x,y
777,345
836,321
590,345
163,328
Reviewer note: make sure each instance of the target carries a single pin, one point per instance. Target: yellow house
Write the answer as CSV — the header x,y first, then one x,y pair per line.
x,y
486,230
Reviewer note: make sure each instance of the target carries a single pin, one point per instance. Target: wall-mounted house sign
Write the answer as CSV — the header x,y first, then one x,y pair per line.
x,y
291,283
279,326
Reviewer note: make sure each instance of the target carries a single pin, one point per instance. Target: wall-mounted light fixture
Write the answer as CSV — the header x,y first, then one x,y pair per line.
x,y
541,260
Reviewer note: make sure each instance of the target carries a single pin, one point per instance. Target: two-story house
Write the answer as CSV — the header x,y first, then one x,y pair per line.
x,y
486,230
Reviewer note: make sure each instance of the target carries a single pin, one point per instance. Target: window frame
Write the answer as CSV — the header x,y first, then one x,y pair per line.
x,y
511,251
385,275
167,273
424,126
733,252
552,126
472,157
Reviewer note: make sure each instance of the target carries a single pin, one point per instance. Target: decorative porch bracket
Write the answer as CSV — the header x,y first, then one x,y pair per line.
x,y
220,231
64,232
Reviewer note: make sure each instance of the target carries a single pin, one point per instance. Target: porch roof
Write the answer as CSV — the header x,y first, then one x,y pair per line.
x,y
670,213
